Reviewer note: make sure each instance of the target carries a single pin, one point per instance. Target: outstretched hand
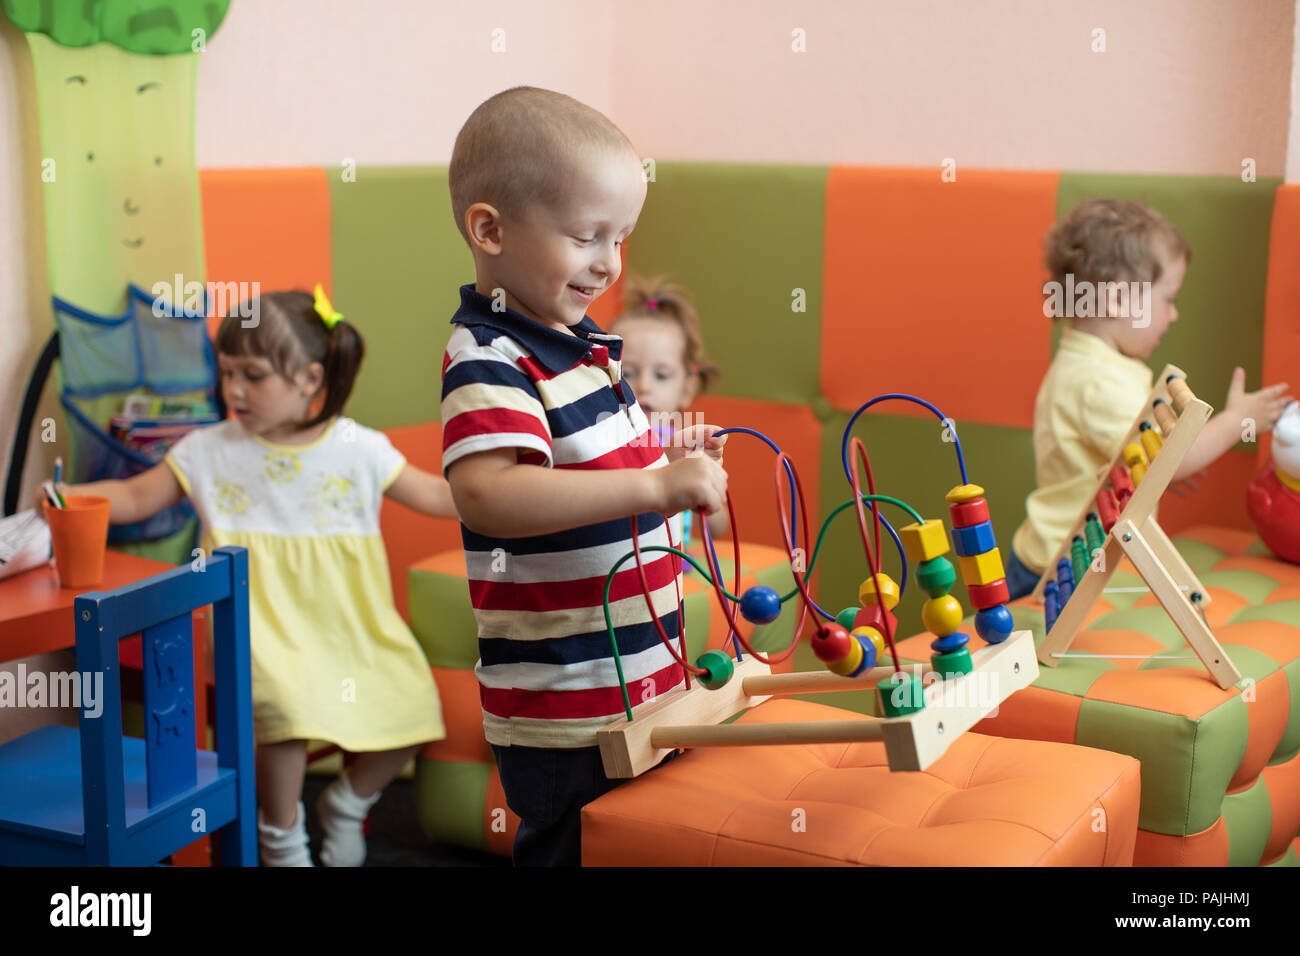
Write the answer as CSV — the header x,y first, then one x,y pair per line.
x,y
1262,407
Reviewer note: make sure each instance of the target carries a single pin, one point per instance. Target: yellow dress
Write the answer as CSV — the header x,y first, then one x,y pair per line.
x,y
332,659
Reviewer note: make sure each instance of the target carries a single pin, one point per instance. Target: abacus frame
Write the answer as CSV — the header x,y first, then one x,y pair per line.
x,y
692,718
1138,535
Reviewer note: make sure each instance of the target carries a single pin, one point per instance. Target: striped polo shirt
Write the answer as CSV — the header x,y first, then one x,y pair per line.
x,y
546,672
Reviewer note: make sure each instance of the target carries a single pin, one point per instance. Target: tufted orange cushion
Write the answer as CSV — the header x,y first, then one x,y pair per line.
x,y
987,801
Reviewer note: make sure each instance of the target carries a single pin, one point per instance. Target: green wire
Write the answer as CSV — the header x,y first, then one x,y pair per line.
x,y
609,579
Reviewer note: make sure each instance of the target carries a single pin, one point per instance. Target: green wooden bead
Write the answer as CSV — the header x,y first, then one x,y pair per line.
x,y
719,668
901,694
953,664
936,576
846,617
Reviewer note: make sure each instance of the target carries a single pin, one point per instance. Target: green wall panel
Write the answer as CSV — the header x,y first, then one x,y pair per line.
x,y
741,238
450,801
399,262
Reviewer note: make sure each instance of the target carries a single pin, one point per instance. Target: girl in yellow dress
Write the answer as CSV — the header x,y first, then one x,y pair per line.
x,y
300,488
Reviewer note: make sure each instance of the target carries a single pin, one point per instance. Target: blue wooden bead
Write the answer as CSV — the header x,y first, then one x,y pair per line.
x,y
975,539
760,605
1064,580
994,624
1051,605
949,643
868,657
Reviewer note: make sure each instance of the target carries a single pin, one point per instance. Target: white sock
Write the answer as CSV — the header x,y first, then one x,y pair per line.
x,y
342,814
284,847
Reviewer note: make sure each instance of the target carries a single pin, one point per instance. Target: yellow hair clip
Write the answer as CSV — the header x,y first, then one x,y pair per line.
x,y
325,310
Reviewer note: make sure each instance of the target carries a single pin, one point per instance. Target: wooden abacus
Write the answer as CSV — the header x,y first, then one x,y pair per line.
x,y
1118,520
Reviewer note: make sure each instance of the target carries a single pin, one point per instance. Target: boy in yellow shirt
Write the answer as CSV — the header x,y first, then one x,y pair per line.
x,y
1121,265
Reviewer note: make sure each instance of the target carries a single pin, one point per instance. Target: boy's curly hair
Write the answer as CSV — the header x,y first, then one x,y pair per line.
x,y
1113,240
657,298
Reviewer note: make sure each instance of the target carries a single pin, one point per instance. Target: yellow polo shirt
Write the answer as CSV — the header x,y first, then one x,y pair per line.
x,y
1083,412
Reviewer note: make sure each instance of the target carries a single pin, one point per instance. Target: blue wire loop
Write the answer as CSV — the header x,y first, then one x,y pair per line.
x,y
901,396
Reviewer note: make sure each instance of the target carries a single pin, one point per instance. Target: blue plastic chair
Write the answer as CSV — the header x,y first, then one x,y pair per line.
x,y
90,796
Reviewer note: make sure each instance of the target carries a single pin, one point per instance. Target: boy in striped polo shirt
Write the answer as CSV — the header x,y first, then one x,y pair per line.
x,y
549,456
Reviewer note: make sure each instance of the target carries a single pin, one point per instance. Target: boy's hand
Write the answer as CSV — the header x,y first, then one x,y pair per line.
x,y
1262,407
697,438
692,482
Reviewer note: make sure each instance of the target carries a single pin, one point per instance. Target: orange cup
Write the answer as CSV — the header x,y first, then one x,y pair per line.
x,y
79,534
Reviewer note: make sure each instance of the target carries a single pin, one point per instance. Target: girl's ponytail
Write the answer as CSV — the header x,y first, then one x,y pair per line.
x,y
342,362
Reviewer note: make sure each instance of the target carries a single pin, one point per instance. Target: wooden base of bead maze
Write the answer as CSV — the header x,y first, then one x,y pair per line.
x,y
1137,535
692,718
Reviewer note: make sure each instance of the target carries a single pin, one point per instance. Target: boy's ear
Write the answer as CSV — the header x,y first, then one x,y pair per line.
x,y
483,225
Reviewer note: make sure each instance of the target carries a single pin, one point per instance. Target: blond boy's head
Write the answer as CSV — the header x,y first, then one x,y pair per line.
x,y
544,191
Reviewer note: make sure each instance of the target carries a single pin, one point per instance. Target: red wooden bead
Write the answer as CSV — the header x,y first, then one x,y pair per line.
x,y
831,643
873,615
967,513
1107,508
988,595
1121,483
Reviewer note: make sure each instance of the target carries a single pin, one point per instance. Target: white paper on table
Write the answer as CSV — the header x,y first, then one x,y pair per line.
x,y
24,543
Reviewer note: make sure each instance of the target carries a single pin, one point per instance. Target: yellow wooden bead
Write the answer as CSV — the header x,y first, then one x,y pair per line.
x,y
869,633
1133,453
888,592
849,662
982,568
1151,442
1138,471
924,541
965,493
942,615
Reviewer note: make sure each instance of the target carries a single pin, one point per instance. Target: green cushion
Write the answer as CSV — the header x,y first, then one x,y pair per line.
x,y
399,262
741,238
450,799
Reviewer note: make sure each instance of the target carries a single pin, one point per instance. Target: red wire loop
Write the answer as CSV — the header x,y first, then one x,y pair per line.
x,y
872,556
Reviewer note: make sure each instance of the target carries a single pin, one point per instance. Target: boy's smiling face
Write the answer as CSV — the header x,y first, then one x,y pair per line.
x,y
556,258
1161,311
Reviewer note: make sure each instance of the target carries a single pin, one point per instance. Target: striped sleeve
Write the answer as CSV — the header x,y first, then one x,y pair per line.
x,y
488,402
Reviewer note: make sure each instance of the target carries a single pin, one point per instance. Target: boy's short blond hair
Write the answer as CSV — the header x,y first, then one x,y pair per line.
x,y
519,147
1113,240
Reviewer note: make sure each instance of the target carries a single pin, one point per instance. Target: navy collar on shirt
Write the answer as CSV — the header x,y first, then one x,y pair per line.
x,y
557,351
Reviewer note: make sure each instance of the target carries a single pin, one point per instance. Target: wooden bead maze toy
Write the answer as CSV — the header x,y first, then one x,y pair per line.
x,y
1118,520
925,708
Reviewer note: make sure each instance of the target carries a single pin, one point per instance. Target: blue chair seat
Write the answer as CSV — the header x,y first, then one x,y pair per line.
x,y
50,806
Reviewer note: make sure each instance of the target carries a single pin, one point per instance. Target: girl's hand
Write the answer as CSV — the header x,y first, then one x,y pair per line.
x,y
697,438
692,482
1262,407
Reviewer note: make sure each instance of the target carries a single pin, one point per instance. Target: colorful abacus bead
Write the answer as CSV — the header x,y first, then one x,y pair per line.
x,y
1064,581
942,615
1138,471
1079,557
1093,533
1122,484
988,595
1151,440
831,643
901,693
1165,416
994,624
760,605
888,592
873,615
924,541
1133,454
872,640
1179,393
936,576
1107,508
1051,605
845,618
850,662
718,669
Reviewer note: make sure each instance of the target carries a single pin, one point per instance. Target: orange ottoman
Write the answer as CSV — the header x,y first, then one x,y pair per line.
x,y
986,802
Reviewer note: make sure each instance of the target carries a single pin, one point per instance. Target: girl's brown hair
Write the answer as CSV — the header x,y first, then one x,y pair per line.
x,y
1113,240
289,333
656,298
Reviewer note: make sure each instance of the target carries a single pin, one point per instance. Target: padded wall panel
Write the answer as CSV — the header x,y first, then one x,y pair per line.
x,y
409,535
399,262
936,288
741,238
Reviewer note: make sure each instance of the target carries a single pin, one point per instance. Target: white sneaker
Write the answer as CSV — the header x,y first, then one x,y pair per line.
x,y
284,847
342,816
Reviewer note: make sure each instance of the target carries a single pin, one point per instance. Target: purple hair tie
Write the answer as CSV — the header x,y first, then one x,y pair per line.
x,y
652,304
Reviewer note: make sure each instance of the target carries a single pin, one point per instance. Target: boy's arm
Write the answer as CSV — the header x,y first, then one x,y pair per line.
x,y
500,498
421,491
1257,411
136,498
